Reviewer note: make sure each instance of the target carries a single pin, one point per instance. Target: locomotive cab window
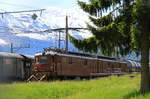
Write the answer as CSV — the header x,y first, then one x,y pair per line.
x,y
109,64
36,59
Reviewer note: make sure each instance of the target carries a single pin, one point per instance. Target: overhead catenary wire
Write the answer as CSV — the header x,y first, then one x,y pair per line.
x,y
22,11
56,30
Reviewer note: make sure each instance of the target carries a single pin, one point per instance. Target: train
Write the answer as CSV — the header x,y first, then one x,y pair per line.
x,y
61,64
14,67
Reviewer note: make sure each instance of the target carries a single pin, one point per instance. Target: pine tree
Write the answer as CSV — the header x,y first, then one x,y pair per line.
x,y
123,30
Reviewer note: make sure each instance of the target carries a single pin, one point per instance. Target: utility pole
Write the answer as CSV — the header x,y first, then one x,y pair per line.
x,y
11,47
59,40
66,34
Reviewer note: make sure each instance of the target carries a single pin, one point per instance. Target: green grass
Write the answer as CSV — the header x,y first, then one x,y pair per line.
x,y
113,87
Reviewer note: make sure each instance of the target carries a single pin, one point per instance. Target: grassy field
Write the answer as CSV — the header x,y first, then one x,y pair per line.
x,y
123,87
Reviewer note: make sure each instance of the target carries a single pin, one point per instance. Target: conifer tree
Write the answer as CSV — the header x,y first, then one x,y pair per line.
x,y
119,27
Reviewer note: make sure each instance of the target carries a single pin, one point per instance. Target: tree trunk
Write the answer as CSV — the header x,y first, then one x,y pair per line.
x,y
144,24
145,76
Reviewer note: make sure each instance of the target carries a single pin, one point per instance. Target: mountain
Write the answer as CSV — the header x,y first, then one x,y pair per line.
x,y
24,34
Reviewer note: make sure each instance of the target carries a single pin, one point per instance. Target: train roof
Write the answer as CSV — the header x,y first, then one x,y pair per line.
x,y
80,55
90,58
90,55
76,54
47,50
11,55
28,56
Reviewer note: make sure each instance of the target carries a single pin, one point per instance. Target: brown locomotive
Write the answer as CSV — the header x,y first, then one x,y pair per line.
x,y
59,64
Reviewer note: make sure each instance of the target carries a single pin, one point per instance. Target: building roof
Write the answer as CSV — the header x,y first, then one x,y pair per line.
x,y
11,55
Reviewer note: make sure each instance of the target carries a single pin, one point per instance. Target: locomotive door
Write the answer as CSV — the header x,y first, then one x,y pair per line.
x,y
98,67
52,62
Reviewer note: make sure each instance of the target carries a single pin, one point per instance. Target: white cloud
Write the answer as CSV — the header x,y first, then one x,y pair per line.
x,y
11,5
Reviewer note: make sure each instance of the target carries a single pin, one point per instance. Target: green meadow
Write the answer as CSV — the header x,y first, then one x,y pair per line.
x,y
123,87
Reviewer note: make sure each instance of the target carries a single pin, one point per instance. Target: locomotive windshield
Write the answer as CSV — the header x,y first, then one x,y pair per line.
x,y
41,60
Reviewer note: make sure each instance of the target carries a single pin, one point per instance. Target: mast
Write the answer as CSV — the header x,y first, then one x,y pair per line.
x,y
66,49
59,40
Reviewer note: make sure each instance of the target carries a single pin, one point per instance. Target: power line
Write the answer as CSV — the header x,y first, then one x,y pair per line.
x,y
22,11
62,29
56,30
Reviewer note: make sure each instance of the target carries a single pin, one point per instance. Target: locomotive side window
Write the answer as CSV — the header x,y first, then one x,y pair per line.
x,y
64,60
85,62
59,59
70,60
109,64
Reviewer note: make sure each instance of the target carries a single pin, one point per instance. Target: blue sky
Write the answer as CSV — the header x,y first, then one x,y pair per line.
x,y
11,5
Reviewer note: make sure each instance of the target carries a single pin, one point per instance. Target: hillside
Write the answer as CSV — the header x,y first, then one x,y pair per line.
x,y
123,87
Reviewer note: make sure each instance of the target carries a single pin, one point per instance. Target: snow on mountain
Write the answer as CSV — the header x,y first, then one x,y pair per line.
x,y
2,42
16,29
